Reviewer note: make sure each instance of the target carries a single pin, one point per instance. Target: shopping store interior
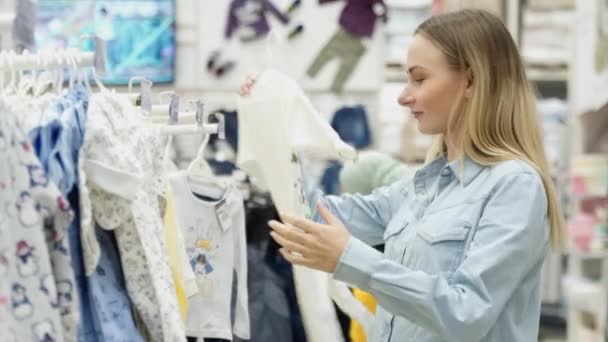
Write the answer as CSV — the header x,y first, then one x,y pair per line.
x,y
181,63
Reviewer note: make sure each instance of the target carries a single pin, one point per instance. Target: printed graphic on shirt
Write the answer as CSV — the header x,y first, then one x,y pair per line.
x,y
44,331
202,255
28,211
65,296
298,185
37,175
27,261
21,305
47,286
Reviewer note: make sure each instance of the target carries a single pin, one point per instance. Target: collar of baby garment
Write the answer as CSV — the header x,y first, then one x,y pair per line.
x,y
219,201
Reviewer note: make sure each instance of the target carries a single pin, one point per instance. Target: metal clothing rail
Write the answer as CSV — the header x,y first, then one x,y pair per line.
x,y
13,62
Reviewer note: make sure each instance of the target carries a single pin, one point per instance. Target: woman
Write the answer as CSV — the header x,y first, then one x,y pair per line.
x,y
467,234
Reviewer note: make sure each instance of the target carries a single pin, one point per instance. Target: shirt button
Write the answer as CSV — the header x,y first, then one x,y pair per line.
x,y
445,172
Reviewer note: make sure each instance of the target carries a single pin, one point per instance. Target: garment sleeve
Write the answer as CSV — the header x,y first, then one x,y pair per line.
x,y
270,7
241,320
349,304
314,136
511,237
366,217
232,22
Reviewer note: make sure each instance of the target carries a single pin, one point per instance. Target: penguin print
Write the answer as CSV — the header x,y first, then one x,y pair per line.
x,y
21,306
28,211
44,331
26,146
47,286
65,296
37,175
27,262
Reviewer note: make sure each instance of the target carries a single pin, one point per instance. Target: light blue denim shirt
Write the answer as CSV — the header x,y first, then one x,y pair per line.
x,y
463,254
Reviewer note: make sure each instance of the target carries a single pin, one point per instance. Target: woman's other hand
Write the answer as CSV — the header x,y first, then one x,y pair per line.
x,y
310,244
247,85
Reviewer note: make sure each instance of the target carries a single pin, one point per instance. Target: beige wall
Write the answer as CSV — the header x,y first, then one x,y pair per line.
x,y
494,6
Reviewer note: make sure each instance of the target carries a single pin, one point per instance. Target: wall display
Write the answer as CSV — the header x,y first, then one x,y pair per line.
x,y
139,34
300,38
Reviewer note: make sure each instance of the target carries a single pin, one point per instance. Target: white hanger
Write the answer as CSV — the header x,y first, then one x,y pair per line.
x,y
167,151
199,167
96,79
59,76
26,84
45,79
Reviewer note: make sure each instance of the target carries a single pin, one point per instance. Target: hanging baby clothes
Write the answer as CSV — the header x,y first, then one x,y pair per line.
x,y
345,46
267,119
247,18
57,144
183,276
214,232
357,21
37,300
112,316
359,16
122,156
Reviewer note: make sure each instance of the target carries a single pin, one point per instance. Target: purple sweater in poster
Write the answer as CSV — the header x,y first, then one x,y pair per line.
x,y
358,16
247,18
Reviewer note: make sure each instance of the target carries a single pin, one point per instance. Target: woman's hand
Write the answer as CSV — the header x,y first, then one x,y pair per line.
x,y
247,85
311,244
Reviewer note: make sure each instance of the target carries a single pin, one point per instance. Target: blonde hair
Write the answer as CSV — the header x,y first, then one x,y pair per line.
x,y
497,120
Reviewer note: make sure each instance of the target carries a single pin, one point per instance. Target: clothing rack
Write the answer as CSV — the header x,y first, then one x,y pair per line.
x,y
47,60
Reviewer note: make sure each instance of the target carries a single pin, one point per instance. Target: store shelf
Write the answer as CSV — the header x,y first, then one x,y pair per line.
x,y
541,75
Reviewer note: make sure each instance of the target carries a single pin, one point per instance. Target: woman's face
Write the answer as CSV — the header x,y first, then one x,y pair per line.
x,y
432,87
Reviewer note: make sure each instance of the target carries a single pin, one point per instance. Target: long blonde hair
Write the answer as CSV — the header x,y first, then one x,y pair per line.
x,y
497,120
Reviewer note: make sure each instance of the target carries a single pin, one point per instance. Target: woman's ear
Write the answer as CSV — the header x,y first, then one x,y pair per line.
x,y
469,79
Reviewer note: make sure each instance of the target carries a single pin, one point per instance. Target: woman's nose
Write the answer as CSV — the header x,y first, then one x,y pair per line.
x,y
405,99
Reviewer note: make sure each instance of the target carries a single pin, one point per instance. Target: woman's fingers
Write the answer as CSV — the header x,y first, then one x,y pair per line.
x,y
289,245
295,258
247,85
290,233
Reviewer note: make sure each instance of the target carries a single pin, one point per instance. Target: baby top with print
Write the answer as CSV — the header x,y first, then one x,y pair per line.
x,y
212,221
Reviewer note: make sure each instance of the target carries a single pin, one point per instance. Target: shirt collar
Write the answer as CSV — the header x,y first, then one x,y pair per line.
x,y
471,169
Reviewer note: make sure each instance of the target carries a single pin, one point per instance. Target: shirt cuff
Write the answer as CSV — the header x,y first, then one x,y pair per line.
x,y
357,263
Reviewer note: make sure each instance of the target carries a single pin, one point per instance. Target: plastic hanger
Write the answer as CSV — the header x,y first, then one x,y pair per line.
x,y
45,78
199,167
173,119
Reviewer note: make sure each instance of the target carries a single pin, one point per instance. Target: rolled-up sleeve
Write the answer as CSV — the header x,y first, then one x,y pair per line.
x,y
510,239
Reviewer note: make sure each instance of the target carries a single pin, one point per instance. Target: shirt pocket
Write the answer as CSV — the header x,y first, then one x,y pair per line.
x,y
440,244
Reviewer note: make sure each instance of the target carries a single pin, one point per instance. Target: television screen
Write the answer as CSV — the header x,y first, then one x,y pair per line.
x,y
139,34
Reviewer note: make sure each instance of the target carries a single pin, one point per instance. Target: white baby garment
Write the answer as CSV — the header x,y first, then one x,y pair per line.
x,y
214,234
277,122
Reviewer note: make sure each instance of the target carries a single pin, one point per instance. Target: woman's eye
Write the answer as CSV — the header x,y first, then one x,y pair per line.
x,y
420,80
